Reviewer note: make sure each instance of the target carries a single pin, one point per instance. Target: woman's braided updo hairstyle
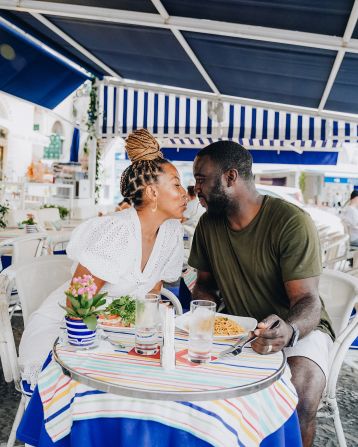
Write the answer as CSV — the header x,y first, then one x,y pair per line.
x,y
147,162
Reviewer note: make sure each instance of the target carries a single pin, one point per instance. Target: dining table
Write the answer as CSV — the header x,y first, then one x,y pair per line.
x,y
55,238
111,396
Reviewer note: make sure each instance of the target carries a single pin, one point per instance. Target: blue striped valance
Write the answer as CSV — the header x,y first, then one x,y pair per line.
x,y
169,115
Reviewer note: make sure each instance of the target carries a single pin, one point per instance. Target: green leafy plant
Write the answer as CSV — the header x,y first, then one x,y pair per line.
x,y
92,116
4,209
30,220
302,182
123,307
64,212
83,300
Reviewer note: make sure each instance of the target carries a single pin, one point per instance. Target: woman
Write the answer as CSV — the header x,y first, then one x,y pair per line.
x,y
128,253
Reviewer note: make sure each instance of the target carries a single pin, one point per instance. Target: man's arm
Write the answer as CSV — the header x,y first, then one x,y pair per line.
x,y
305,311
205,288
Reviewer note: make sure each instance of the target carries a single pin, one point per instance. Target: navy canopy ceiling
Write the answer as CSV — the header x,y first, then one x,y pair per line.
x,y
32,73
279,52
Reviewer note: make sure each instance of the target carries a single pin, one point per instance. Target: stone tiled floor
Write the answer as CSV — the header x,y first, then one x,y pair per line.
x,y
325,436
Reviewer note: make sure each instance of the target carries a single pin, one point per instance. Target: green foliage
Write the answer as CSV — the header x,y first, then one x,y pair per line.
x,y
4,209
124,307
302,182
92,116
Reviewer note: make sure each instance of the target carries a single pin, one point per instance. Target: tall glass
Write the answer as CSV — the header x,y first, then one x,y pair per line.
x,y
146,324
201,330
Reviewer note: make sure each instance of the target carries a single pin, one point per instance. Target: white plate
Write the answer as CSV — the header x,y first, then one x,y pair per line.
x,y
182,322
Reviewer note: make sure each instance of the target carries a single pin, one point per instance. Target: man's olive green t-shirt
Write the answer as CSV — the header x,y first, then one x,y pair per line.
x,y
250,266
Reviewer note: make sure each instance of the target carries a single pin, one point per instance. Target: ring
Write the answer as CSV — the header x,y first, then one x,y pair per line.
x,y
269,348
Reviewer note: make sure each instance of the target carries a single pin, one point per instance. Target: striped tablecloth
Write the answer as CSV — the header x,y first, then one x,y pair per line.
x,y
232,422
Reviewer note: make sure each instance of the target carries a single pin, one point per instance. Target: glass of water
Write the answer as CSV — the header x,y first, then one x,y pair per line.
x,y
146,324
201,330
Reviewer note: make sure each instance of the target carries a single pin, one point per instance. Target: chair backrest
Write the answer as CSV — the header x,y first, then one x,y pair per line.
x,y
335,251
48,215
27,247
339,292
8,353
169,296
35,280
38,278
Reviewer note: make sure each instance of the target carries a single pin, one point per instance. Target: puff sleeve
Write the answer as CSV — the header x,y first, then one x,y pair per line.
x,y
102,245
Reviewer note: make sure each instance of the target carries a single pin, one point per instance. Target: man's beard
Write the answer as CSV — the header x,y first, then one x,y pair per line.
x,y
218,203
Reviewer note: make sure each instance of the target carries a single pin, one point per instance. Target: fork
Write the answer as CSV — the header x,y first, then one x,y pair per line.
x,y
237,349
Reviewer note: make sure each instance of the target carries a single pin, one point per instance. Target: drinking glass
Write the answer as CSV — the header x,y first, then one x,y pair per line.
x,y
146,324
201,330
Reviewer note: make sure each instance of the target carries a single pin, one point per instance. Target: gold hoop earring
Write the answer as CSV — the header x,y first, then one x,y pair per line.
x,y
156,206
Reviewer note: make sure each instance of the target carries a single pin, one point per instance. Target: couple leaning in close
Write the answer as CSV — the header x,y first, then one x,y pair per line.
x,y
258,254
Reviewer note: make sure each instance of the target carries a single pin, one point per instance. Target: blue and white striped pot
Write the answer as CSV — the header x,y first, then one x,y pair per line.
x,y
78,333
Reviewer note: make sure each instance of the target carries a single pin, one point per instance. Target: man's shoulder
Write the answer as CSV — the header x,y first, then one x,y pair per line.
x,y
284,208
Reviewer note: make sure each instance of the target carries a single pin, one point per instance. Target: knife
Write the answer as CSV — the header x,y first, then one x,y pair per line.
x,y
238,347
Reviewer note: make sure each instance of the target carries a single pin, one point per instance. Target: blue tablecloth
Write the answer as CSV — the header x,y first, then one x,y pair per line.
x,y
124,432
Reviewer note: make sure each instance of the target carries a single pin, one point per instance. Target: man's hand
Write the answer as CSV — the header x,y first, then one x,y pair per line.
x,y
271,340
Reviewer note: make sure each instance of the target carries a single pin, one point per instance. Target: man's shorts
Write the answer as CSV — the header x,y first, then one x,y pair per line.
x,y
316,346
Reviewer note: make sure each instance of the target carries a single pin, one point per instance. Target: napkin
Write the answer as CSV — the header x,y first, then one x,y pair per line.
x,y
167,358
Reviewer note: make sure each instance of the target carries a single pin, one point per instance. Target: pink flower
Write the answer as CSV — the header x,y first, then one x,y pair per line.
x,y
81,291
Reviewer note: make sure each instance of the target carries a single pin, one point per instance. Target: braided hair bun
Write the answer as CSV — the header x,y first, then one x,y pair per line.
x,y
141,145
147,164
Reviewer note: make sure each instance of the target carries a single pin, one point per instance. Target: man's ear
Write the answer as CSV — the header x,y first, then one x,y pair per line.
x,y
231,177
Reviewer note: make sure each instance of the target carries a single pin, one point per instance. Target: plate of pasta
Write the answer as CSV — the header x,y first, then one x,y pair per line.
x,y
225,327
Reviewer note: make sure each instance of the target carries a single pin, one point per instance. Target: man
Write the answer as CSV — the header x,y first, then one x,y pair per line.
x,y
350,217
262,254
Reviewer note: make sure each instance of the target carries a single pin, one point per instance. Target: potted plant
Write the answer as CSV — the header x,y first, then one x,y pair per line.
x,y
30,224
82,309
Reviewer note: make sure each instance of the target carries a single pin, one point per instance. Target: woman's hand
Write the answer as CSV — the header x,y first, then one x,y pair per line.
x,y
157,288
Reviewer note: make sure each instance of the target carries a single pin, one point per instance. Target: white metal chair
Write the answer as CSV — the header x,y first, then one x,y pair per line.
x,y
23,249
35,280
169,296
339,292
335,252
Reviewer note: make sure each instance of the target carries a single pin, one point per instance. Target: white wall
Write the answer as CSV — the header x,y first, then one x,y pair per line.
x,y
23,143
19,124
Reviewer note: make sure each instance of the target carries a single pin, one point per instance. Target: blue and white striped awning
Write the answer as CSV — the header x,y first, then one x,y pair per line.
x,y
301,152
167,115
298,146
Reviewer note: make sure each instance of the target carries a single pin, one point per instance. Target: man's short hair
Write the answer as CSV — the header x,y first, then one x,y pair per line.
x,y
354,194
230,155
